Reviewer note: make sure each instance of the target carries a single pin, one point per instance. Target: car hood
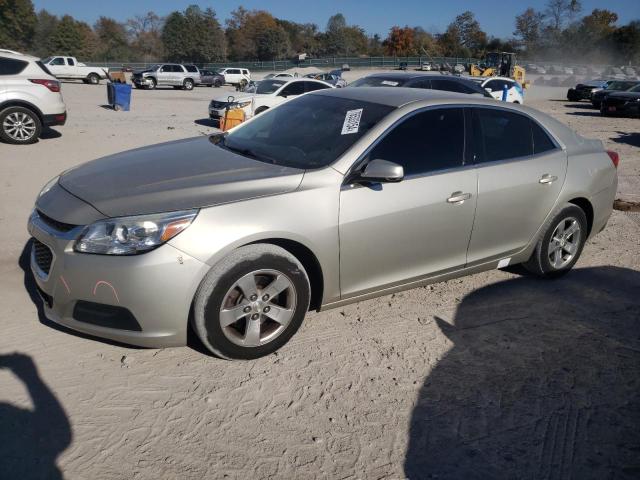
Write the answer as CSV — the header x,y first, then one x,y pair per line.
x,y
178,175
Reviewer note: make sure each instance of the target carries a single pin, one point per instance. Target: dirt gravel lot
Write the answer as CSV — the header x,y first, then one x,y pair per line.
x,y
491,376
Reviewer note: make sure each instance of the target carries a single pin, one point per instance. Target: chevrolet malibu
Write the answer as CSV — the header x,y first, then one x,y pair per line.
x,y
337,196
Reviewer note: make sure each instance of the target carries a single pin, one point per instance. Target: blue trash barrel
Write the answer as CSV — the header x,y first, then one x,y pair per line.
x,y
119,96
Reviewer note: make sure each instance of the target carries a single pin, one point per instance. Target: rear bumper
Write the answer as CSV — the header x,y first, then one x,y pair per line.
x,y
54,119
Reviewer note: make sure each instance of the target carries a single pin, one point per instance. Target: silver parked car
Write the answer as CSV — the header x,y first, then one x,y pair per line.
x,y
333,197
167,74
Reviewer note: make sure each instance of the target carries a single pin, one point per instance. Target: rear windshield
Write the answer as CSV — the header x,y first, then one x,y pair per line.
x,y
11,66
378,82
308,132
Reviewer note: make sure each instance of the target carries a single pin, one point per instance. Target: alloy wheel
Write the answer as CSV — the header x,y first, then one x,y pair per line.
x,y
19,126
564,243
258,308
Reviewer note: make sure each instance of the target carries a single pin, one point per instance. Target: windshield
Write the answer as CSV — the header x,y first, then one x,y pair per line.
x,y
46,60
635,89
309,132
269,86
378,82
619,85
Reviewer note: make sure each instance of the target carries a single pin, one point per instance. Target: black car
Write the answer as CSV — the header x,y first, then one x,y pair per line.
x,y
583,91
449,83
622,103
615,86
211,79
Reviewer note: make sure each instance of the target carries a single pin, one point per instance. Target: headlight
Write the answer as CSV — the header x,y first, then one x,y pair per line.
x,y
132,235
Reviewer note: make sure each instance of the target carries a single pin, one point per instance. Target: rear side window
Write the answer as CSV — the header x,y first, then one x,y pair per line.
x,y
426,142
294,88
191,68
70,61
449,86
423,83
541,141
11,66
500,135
313,86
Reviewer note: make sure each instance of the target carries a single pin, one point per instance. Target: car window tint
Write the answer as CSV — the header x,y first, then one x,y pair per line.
x,y
313,86
295,88
449,86
178,69
57,61
500,135
191,68
426,142
422,83
541,141
11,66
70,61
233,71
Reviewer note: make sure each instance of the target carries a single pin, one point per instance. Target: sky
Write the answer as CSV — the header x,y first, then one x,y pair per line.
x,y
496,17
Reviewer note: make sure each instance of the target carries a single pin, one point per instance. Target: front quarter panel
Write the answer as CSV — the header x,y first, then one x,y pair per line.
x,y
308,216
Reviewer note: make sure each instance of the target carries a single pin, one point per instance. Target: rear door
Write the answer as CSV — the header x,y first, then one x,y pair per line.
x,y
521,171
70,69
394,233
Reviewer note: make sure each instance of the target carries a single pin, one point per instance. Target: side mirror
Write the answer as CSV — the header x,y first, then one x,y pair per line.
x,y
382,171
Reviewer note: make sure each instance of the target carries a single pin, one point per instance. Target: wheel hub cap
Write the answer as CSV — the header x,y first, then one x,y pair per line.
x,y
564,243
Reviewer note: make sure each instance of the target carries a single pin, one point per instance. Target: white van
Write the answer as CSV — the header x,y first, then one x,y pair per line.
x,y
235,76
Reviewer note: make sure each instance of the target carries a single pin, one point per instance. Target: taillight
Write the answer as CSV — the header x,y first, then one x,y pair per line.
x,y
52,85
615,158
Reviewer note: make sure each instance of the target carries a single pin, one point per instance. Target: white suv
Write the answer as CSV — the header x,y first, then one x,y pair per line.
x,y
236,76
30,98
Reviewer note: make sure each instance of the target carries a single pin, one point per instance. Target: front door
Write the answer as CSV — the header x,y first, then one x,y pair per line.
x,y
393,233
520,174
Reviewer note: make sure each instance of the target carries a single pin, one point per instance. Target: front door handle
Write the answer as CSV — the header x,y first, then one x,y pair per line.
x,y
458,197
547,179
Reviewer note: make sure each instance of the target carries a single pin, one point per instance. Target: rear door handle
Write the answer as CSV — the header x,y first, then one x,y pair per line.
x,y
458,197
547,179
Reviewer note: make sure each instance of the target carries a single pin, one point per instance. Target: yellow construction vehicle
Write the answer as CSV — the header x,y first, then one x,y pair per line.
x,y
502,64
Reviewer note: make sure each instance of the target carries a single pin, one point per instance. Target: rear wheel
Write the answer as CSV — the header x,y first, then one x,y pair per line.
x,y
93,79
19,125
561,244
252,302
187,84
217,83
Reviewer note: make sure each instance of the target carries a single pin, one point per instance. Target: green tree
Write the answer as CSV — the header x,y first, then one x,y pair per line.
x,y
193,35
464,37
42,37
272,43
73,38
17,24
529,26
112,38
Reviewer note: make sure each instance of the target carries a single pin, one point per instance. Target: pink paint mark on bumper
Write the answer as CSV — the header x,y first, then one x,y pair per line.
x,y
66,286
104,282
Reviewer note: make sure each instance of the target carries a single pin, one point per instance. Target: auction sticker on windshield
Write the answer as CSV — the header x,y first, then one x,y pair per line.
x,y
351,121
389,83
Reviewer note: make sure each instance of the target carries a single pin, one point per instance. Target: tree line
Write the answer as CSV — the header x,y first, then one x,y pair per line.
x,y
560,31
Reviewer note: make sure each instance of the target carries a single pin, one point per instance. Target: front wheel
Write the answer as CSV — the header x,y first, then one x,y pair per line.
x,y
252,302
188,84
93,79
152,83
561,244
19,125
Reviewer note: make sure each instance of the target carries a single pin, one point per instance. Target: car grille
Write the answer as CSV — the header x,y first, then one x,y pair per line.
x,y
55,224
42,256
219,105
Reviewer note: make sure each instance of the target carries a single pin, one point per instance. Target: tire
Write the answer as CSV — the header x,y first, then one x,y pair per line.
x,y
153,83
259,110
187,84
93,78
540,262
572,96
217,83
263,263
19,126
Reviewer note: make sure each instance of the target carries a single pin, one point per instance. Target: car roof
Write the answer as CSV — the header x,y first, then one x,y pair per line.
x,y
412,75
391,96
17,55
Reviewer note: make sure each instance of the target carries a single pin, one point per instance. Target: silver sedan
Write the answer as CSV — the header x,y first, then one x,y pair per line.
x,y
331,198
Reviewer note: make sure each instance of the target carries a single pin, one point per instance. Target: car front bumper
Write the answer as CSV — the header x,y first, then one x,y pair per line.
x,y
156,288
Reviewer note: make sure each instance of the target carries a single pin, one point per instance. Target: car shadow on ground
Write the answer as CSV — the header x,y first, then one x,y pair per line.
x,y
542,381
24,262
630,138
207,122
49,133
593,113
31,438
583,106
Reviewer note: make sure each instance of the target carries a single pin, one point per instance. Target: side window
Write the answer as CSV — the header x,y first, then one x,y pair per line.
x,y
70,61
313,86
178,69
166,68
426,142
191,68
500,135
245,72
233,71
295,88
57,61
11,66
491,85
541,141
